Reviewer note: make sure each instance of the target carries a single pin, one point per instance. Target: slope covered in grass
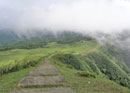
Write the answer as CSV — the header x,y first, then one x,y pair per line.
x,y
98,62
9,81
84,55
20,58
81,84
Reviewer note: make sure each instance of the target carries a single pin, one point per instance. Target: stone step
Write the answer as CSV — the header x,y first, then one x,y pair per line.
x,y
45,70
41,81
44,90
46,62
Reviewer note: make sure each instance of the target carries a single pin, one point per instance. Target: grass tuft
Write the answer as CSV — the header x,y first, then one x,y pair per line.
x,y
87,74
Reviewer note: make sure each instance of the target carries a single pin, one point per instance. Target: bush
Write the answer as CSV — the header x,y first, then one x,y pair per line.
x,y
15,65
87,74
70,59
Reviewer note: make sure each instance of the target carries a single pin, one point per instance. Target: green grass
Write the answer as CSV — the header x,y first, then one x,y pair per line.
x,y
87,74
13,58
9,81
83,55
15,65
16,59
100,84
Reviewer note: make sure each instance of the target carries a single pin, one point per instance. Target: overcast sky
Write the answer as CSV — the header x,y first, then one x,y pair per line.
x,y
78,15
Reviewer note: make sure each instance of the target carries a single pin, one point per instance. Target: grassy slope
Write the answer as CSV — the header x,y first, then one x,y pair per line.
x,y
82,48
99,84
19,54
10,80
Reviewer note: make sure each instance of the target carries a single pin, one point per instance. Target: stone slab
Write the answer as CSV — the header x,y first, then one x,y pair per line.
x,y
45,70
41,81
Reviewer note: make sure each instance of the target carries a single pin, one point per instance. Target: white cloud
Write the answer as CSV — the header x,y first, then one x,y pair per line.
x,y
109,16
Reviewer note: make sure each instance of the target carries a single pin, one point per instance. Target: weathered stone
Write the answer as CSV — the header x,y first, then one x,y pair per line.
x,y
46,70
44,76
41,81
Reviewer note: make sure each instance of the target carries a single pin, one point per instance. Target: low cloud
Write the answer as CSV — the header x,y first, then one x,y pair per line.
x,y
86,16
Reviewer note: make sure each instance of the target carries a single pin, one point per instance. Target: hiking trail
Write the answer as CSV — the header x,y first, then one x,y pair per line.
x,y
44,79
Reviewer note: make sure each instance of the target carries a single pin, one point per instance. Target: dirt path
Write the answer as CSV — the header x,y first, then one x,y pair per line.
x,y
45,79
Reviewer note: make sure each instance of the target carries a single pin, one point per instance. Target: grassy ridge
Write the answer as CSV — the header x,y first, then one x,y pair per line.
x,y
17,59
100,84
81,56
99,62
110,68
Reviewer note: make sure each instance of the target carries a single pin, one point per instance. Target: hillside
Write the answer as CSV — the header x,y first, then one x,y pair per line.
x,y
7,37
38,40
64,46
112,72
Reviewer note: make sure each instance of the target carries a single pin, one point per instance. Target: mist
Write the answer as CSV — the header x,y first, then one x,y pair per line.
x,y
111,17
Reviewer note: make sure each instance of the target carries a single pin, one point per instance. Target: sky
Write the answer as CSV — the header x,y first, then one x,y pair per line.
x,y
92,17
109,16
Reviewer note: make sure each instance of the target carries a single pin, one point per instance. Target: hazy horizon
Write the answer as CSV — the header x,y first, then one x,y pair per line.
x,y
111,17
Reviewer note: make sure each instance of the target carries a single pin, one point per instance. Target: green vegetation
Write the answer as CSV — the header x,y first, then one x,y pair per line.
x,y
40,40
87,74
82,84
7,37
99,63
96,64
15,65
9,81
110,68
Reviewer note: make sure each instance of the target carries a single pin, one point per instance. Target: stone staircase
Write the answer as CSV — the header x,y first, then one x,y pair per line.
x,y
45,79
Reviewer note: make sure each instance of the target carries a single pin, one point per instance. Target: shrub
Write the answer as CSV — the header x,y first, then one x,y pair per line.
x,y
87,74
15,65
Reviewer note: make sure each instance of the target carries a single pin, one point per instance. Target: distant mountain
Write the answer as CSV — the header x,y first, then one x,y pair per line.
x,y
108,60
39,39
7,37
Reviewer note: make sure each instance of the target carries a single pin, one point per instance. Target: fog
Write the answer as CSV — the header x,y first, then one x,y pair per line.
x,y
111,17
